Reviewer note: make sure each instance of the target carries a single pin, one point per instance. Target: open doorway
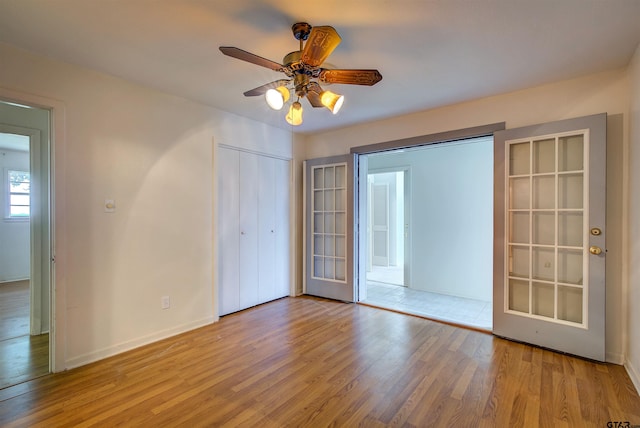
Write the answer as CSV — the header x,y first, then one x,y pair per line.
x,y
388,224
446,230
25,252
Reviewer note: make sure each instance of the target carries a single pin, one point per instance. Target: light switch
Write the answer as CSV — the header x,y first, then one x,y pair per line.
x,y
109,205
165,302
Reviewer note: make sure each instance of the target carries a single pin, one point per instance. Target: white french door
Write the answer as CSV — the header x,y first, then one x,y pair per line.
x,y
549,250
328,186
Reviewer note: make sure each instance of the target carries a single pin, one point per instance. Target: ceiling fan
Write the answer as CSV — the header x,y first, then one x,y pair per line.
x,y
304,72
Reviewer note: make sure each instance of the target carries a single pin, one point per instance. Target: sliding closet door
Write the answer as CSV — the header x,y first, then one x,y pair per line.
x,y
273,210
281,201
228,230
267,242
253,228
249,229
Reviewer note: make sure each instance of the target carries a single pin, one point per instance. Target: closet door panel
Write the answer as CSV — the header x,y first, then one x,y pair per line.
x,y
266,208
248,215
228,231
282,237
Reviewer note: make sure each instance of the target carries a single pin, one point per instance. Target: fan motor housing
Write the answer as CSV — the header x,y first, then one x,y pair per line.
x,y
300,82
292,58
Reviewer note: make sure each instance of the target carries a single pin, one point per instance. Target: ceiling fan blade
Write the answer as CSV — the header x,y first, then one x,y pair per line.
x,y
249,57
351,77
322,41
260,90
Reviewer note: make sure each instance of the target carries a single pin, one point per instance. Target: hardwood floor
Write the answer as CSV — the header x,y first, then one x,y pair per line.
x,y
14,309
312,362
22,357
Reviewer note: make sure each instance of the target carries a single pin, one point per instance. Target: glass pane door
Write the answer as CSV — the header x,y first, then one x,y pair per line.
x,y
328,228
329,222
549,218
545,223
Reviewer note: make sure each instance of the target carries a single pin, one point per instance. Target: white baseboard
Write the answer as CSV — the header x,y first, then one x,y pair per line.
x,y
614,358
634,374
8,281
110,351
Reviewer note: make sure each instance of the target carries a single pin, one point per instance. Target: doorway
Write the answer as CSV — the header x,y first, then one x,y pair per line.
x,y
25,272
446,229
387,195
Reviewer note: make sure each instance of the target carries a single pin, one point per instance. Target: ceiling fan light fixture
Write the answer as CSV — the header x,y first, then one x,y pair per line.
x,y
294,117
276,97
332,101
303,70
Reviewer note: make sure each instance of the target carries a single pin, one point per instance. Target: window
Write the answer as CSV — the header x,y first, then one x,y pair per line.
x,y
19,194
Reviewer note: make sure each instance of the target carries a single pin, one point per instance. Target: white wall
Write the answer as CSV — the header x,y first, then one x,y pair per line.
x,y
451,216
603,92
633,267
152,153
14,235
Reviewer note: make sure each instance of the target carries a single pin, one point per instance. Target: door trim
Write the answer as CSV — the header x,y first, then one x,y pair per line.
x,y
425,140
57,224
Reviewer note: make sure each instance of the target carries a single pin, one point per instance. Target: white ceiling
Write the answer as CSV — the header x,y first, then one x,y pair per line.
x,y
430,53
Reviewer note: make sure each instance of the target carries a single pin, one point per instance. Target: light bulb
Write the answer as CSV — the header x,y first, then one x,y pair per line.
x,y
276,97
332,101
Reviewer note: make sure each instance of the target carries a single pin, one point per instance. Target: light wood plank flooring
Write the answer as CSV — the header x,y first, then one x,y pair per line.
x,y
14,309
22,357
312,362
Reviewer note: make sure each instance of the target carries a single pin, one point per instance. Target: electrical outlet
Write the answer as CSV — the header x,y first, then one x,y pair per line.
x,y
165,302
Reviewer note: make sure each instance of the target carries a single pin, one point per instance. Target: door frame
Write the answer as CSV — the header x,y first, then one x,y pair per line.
x,y
57,225
406,170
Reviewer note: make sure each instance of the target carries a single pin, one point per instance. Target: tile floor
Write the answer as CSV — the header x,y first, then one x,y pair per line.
x,y
459,310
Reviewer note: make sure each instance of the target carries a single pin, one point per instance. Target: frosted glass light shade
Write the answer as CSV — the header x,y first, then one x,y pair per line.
x,y
276,97
332,101
294,117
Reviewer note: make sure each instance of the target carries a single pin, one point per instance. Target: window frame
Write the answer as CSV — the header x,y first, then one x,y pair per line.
x,y
7,203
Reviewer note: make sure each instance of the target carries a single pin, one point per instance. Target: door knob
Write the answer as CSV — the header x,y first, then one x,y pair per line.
x,y
595,250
